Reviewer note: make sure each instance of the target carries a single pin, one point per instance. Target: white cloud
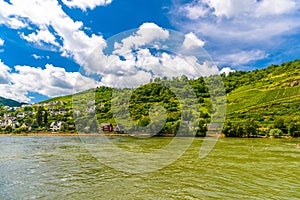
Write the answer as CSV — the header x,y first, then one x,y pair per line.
x,y
39,57
195,11
237,8
16,23
1,42
138,69
75,42
36,56
230,8
148,33
192,41
243,57
55,82
84,4
43,35
226,70
275,7
132,63
4,73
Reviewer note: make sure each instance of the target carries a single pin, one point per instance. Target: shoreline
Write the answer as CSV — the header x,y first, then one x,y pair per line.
x,y
69,134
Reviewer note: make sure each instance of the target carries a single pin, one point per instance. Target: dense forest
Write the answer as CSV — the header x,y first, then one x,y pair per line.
x,y
262,102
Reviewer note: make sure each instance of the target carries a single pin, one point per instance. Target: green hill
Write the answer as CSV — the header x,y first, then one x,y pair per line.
x,y
266,99
9,102
267,96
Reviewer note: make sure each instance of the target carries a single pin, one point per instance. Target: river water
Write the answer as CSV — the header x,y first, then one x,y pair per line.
x,y
64,168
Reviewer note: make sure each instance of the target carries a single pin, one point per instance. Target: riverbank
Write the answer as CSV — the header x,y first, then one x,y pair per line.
x,y
62,134
112,134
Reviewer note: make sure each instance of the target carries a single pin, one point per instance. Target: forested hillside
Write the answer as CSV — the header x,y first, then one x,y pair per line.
x,y
260,102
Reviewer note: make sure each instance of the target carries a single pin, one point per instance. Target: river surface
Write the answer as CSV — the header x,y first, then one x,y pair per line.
x,y
65,168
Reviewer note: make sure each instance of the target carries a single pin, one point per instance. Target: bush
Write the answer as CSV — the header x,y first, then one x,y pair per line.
x,y
276,132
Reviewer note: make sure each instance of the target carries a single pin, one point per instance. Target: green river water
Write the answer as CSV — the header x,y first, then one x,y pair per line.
x,y
64,168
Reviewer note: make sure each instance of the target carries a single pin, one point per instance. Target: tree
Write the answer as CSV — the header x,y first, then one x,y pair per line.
x,y
39,116
8,129
250,127
279,124
45,118
292,128
202,128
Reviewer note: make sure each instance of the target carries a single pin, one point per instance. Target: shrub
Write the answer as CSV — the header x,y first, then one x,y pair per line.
x,y
276,132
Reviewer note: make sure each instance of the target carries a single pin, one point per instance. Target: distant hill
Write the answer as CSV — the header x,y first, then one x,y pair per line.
x,y
9,102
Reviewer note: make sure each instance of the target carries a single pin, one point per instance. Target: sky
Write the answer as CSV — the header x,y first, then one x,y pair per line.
x,y
49,48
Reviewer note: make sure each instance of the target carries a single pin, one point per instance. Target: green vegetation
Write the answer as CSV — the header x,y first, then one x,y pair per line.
x,y
9,102
262,102
270,97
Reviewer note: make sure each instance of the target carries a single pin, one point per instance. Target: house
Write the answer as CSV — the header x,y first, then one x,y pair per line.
x,y
107,127
119,128
7,116
56,126
14,124
27,125
5,123
54,113
71,127
62,111
20,115
2,124
30,113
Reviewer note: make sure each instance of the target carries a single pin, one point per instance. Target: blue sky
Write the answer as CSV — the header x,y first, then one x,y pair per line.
x,y
43,44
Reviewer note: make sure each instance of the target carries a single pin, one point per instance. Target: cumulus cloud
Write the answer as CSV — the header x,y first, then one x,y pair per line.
x,y
55,82
143,54
192,41
43,35
75,43
148,33
226,70
4,73
83,4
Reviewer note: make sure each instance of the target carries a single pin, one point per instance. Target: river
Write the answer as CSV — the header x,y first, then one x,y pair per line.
x,y
65,168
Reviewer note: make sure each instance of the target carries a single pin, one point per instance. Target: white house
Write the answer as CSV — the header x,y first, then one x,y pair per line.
x,y
56,126
20,115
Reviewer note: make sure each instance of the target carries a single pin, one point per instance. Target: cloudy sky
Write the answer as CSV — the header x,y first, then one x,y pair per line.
x,y
45,44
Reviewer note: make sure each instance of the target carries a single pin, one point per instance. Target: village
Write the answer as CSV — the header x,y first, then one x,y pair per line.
x,y
47,117
51,117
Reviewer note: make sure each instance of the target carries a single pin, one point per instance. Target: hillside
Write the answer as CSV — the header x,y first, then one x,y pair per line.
x,y
260,102
266,94
270,97
263,97
9,102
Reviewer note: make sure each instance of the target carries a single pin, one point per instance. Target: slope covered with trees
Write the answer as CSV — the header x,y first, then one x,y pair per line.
x,y
260,102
